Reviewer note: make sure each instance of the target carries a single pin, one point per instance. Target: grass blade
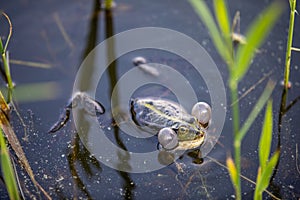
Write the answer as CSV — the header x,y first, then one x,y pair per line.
x,y
7,170
9,33
266,137
265,175
256,110
1,46
232,171
220,9
256,34
205,15
15,143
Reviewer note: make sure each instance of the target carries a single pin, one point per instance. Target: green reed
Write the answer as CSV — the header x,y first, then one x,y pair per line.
x,y
108,4
289,43
238,61
6,164
8,170
5,59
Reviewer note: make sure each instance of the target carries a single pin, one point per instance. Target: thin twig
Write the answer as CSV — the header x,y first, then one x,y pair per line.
x,y
31,64
295,49
291,105
253,87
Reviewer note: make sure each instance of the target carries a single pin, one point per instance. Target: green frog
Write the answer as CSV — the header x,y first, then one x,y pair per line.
x,y
177,130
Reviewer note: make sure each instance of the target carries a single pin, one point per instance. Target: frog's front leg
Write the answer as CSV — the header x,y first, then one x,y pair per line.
x,y
63,119
196,155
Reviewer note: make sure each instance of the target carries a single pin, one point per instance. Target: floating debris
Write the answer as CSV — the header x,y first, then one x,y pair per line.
x,y
139,60
236,36
142,64
149,69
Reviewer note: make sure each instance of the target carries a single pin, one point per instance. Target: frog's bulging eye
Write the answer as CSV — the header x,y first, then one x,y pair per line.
x,y
182,130
168,138
202,112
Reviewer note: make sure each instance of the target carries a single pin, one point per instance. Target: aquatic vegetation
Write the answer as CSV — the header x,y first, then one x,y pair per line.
x,y
289,43
6,128
266,165
108,4
238,61
6,166
5,59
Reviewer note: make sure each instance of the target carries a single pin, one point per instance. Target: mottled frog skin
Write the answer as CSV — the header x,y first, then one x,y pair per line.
x,y
157,114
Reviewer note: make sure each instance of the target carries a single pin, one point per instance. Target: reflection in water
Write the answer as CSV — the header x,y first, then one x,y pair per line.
x,y
81,154
284,108
78,152
128,185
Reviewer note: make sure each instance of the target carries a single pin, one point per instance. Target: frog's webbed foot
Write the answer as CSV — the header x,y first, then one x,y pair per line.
x,y
196,155
91,106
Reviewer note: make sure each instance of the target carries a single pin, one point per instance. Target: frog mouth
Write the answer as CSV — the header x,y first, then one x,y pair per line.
x,y
191,144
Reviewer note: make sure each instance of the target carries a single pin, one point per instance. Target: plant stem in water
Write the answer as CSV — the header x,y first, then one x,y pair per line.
x,y
289,43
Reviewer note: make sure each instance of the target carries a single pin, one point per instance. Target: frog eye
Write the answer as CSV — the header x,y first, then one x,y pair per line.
x,y
167,138
202,112
182,130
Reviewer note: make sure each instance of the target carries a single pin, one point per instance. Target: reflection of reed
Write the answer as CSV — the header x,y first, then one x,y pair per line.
x,y
81,154
284,108
122,157
78,152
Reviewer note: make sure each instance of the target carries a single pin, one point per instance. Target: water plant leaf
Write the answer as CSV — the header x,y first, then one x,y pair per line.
x,y
256,109
256,34
263,180
232,171
7,170
220,9
266,137
1,46
3,50
205,15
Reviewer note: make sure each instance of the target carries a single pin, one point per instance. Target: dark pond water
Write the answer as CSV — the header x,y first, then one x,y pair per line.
x,y
60,34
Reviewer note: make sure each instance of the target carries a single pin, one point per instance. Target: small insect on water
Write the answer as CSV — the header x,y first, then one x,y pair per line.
x,y
141,63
